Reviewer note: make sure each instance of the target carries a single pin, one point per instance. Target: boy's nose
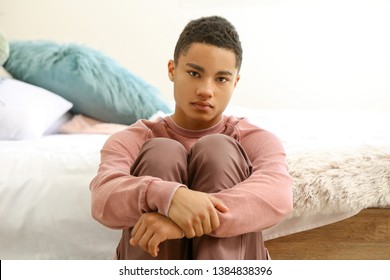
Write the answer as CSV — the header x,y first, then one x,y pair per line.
x,y
205,90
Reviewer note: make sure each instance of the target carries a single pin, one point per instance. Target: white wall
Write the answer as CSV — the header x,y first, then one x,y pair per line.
x,y
300,54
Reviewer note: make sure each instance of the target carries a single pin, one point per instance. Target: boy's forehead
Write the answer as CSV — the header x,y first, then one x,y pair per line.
x,y
202,50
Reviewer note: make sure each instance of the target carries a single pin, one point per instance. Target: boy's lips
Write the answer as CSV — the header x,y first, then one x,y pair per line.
x,y
202,105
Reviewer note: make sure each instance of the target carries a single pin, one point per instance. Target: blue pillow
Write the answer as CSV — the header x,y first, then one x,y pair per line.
x,y
96,84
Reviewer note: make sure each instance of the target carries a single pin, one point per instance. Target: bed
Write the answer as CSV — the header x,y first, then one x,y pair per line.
x,y
340,163
45,200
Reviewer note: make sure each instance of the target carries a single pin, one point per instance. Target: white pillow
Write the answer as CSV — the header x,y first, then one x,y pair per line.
x,y
27,111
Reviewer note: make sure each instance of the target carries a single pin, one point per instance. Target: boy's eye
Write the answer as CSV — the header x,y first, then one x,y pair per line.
x,y
222,79
193,73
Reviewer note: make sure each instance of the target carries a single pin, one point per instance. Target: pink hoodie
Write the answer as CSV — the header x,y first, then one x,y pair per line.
x,y
262,200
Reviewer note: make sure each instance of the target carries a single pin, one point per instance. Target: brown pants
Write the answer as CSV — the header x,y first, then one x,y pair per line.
x,y
215,162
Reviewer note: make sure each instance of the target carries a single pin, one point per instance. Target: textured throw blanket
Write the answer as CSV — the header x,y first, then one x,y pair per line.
x,y
344,179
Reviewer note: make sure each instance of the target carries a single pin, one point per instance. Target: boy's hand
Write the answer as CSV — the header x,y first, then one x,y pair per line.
x,y
152,229
195,212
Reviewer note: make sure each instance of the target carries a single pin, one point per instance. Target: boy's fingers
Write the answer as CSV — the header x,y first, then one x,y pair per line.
x,y
145,240
218,204
133,242
137,233
214,220
153,246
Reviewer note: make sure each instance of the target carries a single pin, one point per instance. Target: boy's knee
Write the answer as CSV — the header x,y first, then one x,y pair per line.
x,y
217,162
164,151
215,141
161,157
215,145
164,146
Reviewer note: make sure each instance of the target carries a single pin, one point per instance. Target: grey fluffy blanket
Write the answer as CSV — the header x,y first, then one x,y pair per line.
x,y
344,179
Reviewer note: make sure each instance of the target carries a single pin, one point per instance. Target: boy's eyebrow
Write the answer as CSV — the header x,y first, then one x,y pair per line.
x,y
201,69
196,67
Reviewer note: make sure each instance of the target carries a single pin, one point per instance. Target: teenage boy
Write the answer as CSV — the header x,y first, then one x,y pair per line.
x,y
196,184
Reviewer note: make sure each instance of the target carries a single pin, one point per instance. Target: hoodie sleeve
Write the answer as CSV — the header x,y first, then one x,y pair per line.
x,y
118,199
264,198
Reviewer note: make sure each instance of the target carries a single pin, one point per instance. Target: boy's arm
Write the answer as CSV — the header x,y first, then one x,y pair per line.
x,y
263,199
118,199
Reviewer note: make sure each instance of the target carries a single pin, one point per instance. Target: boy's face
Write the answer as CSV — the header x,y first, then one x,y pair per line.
x,y
204,80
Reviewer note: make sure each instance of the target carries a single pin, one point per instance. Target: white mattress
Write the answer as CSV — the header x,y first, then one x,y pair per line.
x,y
44,185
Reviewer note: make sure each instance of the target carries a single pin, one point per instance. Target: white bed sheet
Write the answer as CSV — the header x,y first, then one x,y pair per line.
x,y
45,199
44,184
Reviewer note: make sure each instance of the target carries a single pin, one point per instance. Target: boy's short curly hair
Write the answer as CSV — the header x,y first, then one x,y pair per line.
x,y
213,30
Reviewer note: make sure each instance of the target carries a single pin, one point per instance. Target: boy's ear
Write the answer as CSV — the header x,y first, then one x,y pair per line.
x,y
171,70
237,79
